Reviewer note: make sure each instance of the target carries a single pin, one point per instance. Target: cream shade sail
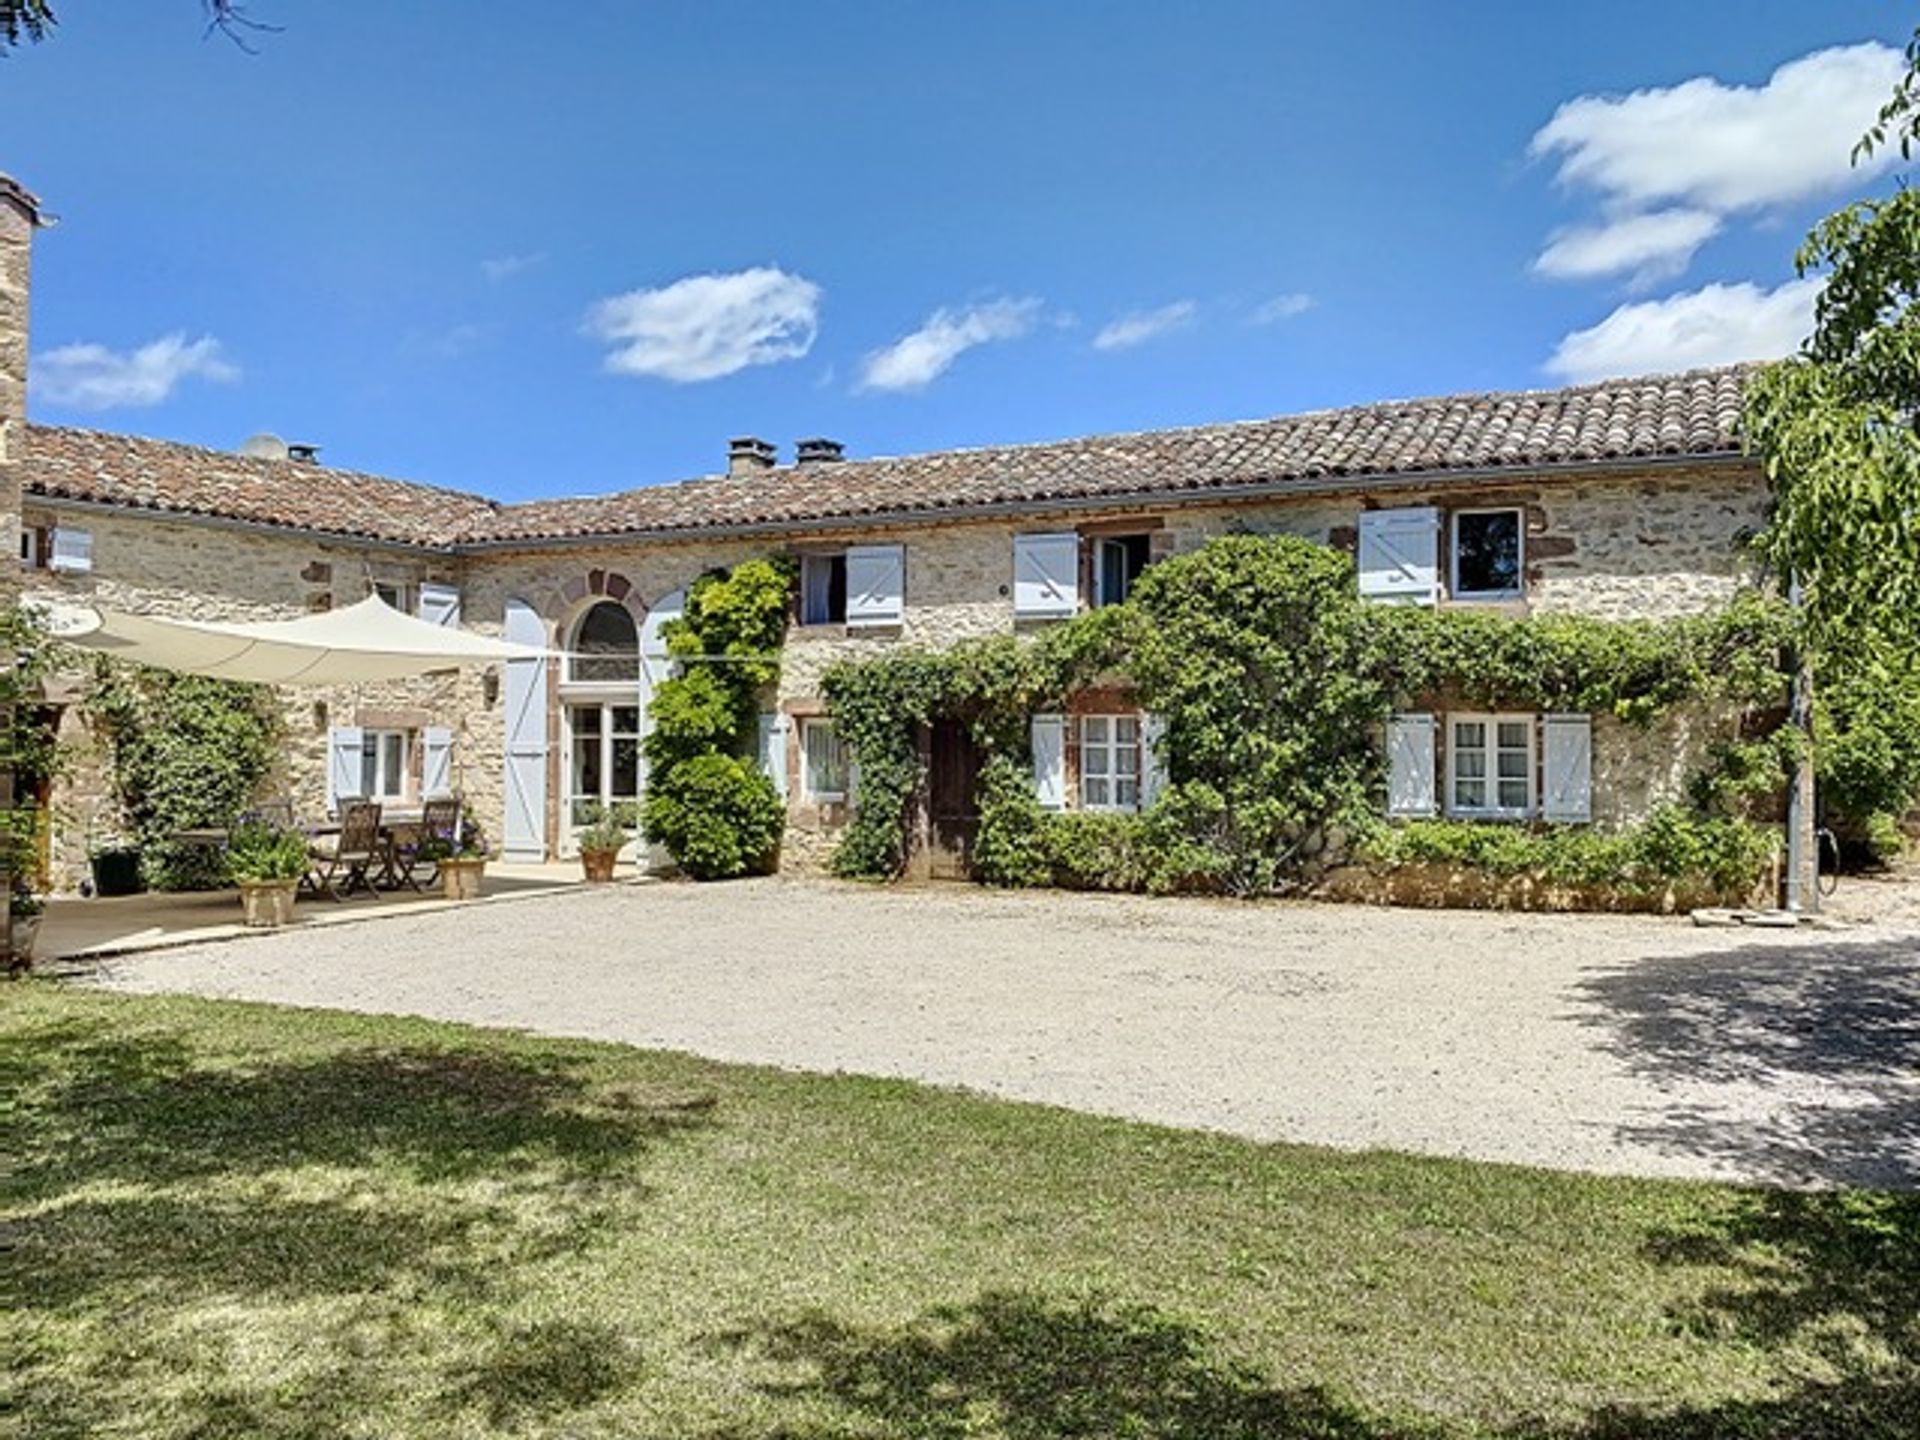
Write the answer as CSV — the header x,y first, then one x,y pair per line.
x,y
369,640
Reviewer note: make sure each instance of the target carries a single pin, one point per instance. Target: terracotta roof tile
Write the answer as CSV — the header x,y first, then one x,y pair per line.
x,y
1656,417
187,479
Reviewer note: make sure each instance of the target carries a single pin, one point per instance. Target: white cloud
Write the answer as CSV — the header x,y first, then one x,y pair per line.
x,y
1652,246
1137,327
505,267
1280,307
915,361
1662,161
92,377
1715,325
707,326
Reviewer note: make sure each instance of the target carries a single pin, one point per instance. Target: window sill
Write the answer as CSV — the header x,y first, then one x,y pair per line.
x,y
1498,817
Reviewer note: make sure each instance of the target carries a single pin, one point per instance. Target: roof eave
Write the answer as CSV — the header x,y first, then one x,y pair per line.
x,y
1156,499
343,538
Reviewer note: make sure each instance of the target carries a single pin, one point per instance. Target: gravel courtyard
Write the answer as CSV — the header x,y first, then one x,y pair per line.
x,y
1583,1042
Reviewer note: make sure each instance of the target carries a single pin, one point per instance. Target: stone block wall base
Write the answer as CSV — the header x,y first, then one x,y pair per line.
x,y
1459,887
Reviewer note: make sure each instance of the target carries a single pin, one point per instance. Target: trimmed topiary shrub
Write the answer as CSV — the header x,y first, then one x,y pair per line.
x,y
718,816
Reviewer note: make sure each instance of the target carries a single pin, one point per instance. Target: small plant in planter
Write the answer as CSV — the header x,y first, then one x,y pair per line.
x,y
601,839
266,862
460,857
26,908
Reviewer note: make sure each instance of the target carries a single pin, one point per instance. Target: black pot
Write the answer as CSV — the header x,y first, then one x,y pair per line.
x,y
117,872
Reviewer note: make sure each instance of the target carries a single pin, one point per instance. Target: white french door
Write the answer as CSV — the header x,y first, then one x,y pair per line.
x,y
603,758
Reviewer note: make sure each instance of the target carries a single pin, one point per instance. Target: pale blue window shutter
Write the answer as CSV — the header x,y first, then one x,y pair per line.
x,y
439,604
1153,770
1410,769
1046,575
436,763
1049,733
1567,791
525,720
876,584
345,744
1400,555
70,549
773,750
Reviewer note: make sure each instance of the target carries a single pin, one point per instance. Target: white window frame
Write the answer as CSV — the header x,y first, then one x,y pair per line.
x,y
808,562
606,740
1098,599
1491,776
1112,748
399,594
379,740
1454,518
808,787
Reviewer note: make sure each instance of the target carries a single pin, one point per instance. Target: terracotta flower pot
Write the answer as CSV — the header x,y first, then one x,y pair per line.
x,y
598,864
268,903
460,879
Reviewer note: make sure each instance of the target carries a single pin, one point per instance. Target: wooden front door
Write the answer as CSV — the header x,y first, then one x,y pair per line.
x,y
953,802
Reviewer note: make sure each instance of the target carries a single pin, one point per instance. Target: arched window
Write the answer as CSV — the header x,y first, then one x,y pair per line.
x,y
605,648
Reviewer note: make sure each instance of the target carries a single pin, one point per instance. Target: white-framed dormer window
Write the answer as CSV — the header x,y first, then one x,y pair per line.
x,y
384,765
1486,553
1490,771
824,769
1109,762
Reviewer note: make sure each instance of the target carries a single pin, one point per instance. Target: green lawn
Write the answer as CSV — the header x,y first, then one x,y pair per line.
x,y
232,1220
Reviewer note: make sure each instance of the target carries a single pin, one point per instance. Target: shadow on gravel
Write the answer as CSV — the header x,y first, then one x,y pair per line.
x,y
1841,1019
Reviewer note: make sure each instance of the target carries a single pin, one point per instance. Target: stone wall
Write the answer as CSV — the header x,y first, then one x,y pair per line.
x,y
147,565
17,220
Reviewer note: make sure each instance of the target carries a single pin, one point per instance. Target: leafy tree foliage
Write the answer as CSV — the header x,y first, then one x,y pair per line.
x,y
34,20
184,752
716,814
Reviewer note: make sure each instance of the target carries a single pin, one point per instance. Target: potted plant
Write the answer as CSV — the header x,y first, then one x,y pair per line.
x,y
116,868
26,908
601,839
461,858
266,862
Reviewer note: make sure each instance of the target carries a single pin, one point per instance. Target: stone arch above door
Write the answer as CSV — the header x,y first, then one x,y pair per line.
x,y
602,584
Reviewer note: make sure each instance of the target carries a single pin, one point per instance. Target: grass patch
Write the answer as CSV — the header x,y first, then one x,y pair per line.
x,y
236,1220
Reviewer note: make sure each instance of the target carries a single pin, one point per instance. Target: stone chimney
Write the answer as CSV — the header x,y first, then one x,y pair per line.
x,y
20,215
818,451
749,455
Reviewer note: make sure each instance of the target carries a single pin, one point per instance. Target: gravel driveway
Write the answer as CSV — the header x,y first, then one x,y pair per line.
x,y
1582,1042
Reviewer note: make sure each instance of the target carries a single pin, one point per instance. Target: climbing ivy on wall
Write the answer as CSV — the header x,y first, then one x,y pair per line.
x,y
1270,676
183,752
706,801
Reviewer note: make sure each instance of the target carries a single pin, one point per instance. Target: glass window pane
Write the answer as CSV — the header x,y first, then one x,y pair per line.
x,y
586,719
395,756
1095,790
1470,794
1513,794
1094,760
826,760
1126,792
1126,730
626,719
1487,552
1513,764
626,769
1472,764
1470,734
606,645
1093,730
1513,734
370,763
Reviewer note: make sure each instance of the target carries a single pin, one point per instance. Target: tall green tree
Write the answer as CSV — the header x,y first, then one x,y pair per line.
x,y
34,20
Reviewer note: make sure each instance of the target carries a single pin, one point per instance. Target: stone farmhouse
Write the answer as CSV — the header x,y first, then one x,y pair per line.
x,y
1619,499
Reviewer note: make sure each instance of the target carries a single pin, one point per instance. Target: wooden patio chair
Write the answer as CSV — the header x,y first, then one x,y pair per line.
x,y
439,819
345,866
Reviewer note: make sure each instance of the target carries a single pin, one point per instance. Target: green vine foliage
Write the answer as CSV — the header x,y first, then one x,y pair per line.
x,y
717,815
1271,678
184,752
27,749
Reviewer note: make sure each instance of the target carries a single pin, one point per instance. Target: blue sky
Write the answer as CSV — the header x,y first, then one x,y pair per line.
x,y
532,261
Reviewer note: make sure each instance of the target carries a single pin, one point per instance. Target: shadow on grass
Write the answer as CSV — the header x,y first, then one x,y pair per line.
x,y
103,1105
1835,1027
1025,1367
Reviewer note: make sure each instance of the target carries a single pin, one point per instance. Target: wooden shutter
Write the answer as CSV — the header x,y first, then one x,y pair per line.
x,y
1400,555
436,762
1050,761
1046,575
1410,789
70,549
1153,773
773,750
439,604
344,746
876,584
525,706
1567,784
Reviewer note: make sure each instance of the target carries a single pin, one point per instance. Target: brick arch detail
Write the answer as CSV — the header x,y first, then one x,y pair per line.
x,y
582,592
